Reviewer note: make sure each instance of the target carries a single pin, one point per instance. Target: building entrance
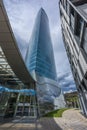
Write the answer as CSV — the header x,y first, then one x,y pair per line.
x,y
7,104
26,106
11,105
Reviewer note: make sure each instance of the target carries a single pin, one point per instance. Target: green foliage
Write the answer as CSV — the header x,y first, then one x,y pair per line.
x,y
56,113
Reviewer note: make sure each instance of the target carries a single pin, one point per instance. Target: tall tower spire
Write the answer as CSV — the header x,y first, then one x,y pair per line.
x,y
40,57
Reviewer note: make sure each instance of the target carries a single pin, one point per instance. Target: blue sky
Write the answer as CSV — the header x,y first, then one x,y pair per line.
x,y
22,14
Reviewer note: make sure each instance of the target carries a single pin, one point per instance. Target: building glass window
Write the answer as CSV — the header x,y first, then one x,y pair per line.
x,y
84,45
62,1
72,17
65,4
79,22
68,8
84,85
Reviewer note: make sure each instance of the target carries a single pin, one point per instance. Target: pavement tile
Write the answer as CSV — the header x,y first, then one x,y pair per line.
x,y
71,120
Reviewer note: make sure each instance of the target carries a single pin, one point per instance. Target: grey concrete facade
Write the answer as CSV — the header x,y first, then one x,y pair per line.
x,y
73,15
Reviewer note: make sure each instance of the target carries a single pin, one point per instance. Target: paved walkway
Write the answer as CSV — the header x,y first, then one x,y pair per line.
x,y
71,120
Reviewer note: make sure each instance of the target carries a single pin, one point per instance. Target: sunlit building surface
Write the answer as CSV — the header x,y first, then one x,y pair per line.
x,y
74,29
40,63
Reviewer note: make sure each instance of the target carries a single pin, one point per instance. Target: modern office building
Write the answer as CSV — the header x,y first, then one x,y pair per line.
x,y
15,73
40,63
74,29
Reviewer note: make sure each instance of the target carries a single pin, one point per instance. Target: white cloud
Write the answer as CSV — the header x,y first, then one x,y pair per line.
x,y
22,16
69,91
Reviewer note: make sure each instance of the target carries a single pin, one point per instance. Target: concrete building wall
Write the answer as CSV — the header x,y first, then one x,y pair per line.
x,y
74,29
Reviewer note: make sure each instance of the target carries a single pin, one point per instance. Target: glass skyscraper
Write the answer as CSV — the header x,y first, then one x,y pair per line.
x,y
40,62
40,52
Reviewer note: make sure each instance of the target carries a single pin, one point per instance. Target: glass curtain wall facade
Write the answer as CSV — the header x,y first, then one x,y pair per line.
x,y
40,62
74,29
40,53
